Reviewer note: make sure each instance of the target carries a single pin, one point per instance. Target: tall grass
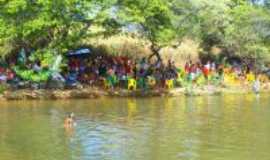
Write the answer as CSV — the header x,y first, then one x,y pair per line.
x,y
127,45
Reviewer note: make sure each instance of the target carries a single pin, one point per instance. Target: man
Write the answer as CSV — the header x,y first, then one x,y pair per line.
x,y
69,121
256,86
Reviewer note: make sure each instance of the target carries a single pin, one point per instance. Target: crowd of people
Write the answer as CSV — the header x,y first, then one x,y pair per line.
x,y
113,72
120,71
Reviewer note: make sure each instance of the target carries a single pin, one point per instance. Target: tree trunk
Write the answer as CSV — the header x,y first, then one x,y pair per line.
x,y
85,28
155,52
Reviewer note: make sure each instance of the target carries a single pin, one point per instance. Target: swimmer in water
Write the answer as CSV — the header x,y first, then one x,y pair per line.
x,y
69,121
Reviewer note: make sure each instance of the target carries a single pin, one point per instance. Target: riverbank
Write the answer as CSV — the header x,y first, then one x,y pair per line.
x,y
94,92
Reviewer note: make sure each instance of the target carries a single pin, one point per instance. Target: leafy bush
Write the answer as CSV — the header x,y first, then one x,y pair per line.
x,y
46,57
2,88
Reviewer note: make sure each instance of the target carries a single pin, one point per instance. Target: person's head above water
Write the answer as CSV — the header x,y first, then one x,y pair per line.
x,y
71,115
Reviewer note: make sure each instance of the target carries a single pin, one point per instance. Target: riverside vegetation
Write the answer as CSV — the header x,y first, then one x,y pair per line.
x,y
201,44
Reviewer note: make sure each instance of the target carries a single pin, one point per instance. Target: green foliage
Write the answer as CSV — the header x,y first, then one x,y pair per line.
x,y
30,75
248,33
204,20
51,27
48,24
46,57
241,27
155,18
3,88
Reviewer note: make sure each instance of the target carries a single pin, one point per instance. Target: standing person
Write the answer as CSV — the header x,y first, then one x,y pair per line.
x,y
256,86
3,76
187,67
220,71
128,67
198,69
206,69
37,66
213,67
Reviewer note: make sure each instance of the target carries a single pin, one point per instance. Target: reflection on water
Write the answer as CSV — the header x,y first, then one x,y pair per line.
x,y
199,128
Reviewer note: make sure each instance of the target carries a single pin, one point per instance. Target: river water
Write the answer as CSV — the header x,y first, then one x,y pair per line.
x,y
227,127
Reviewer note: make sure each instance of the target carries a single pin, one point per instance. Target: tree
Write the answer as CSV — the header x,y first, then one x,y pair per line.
x,y
248,34
240,27
155,20
204,20
43,24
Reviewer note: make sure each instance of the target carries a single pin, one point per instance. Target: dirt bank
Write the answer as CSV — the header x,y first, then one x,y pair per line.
x,y
91,93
